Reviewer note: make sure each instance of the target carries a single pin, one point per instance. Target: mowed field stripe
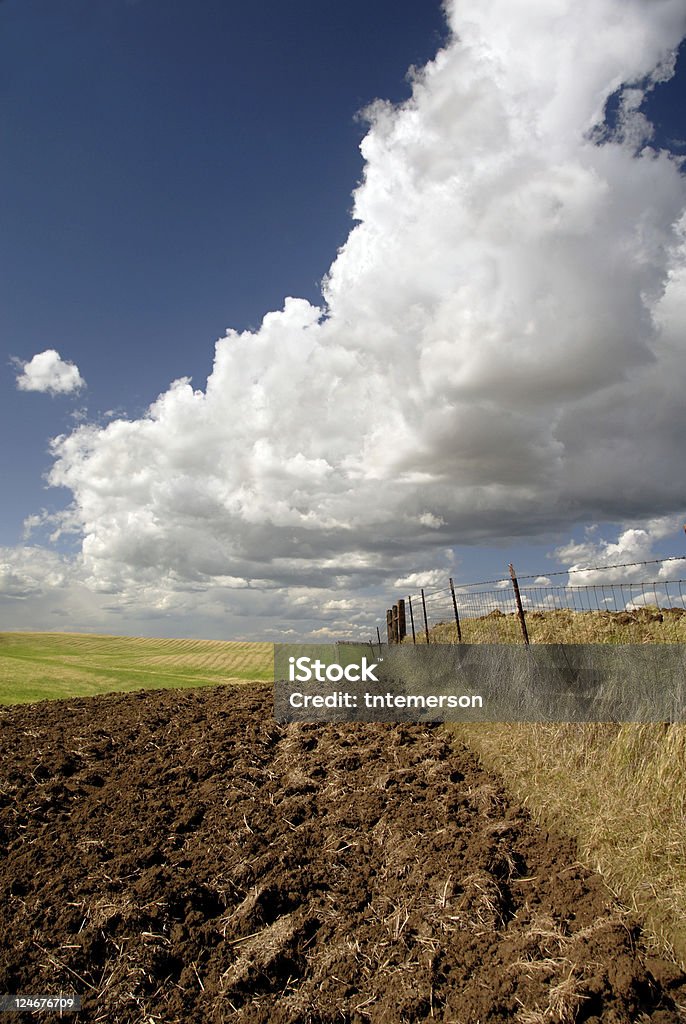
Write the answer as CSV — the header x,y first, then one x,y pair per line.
x,y
44,666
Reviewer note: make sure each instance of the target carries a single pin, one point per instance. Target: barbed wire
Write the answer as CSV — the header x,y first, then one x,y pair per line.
x,y
557,572
603,568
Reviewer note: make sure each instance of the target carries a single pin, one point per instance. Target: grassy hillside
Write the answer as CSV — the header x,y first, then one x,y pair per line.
x,y
563,626
47,666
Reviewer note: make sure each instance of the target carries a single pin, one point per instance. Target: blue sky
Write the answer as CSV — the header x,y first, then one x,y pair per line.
x,y
474,388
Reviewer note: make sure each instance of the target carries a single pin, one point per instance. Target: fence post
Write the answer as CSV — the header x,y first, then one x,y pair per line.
x,y
457,617
378,637
402,629
414,638
426,621
518,599
389,626
396,632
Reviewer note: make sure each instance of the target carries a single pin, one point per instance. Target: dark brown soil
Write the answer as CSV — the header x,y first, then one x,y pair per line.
x,y
180,857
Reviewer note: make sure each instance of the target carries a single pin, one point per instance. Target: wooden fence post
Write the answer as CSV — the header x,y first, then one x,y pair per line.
x,y
402,629
457,617
396,634
389,625
426,621
414,638
378,637
518,599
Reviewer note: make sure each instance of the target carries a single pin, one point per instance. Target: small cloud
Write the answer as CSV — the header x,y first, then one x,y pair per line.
x,y
430,578
48,372
325,632
342,605
32,523
432,521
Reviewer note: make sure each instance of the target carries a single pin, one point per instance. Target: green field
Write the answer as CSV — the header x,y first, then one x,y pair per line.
x,y
49,666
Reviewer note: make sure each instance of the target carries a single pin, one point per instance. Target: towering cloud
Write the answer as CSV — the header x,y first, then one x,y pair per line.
x,y
499,350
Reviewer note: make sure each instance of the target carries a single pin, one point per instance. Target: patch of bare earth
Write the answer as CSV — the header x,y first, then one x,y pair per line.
x,y
180,857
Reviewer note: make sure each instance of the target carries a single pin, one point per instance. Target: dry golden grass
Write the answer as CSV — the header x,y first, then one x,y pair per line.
x,y
619,790
564,626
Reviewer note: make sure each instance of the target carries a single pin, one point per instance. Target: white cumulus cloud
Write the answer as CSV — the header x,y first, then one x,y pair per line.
x,y
634,546
30,571
47,371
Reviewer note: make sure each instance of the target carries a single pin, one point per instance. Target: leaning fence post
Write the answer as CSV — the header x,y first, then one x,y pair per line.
x,y
414,638
518,599
402,628
457,617
426,621
378,637
389,626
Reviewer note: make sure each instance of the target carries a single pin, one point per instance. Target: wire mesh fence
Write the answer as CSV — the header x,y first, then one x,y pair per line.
x,y
604,604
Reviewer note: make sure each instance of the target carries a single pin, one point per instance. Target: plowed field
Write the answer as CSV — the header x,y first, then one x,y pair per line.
x,y
177,856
